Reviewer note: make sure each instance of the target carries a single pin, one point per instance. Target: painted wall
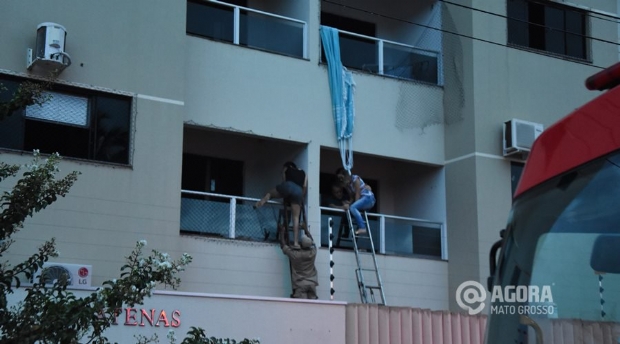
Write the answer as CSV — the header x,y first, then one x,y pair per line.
x,y
280,97
106,41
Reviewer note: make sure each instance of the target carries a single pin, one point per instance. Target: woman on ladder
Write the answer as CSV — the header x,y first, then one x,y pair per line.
x,y
292,190
363,199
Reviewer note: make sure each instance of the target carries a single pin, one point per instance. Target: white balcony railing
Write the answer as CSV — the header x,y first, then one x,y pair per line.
x,y
390,58
247,27
233,217
392,235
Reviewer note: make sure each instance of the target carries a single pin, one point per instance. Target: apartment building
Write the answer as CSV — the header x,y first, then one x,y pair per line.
x,y
180,115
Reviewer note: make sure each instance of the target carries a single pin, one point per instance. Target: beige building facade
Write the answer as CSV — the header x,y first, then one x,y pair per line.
x,y
181,114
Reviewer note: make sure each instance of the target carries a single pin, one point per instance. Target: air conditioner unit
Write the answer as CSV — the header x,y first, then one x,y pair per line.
x,y
519,136
78,275
49,53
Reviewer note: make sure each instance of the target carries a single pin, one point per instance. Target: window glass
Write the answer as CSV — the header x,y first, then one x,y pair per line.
x,y
576,30
74,122
61,108
516,169
517,22
554,34
269,33
112,129
549,27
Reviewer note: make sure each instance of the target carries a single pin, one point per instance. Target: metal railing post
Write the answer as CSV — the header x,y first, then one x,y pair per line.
x,y
382,234
305,41
236,25
380,56
232,218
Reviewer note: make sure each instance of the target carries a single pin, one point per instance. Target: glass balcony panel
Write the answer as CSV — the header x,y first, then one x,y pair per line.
x,y
210,214
403,236
210,20
398,237
426,240
340,229
206,216
409,63
412,238
257,224
358,53
260,31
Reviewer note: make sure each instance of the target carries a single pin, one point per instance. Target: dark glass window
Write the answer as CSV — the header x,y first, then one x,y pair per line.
x,y
355,52
74,122
208,174
516,169
550,27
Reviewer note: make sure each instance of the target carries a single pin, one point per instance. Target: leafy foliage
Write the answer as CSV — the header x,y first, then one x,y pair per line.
x,y
28,93
51,314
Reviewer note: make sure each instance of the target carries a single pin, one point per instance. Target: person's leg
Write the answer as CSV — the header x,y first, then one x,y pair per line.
x,y
295,196
296,209
298,294
312,293
364,203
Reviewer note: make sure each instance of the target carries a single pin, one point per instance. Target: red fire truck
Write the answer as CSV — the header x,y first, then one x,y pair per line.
x,y
563,232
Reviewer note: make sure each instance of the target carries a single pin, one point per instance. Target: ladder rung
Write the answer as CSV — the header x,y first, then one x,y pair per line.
x,y
373,286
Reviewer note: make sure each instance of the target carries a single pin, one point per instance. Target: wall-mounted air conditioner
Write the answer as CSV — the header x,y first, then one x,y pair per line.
x,y
519,136
49,53
78,275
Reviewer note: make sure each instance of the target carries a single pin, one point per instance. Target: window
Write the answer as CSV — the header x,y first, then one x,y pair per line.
x,y
74,122
348,24
364,53
355,52
220,176
549,27
516,169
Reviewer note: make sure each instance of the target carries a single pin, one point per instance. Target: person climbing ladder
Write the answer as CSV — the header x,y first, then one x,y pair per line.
x,y
363,197
292,190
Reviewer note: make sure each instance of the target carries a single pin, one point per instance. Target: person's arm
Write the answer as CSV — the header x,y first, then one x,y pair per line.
x,y
284,174
358,189
305,184
332,205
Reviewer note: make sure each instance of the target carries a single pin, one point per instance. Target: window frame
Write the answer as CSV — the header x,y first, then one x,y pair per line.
x,y
526,22
92,94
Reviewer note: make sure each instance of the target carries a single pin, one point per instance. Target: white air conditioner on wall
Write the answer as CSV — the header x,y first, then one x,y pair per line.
x,y
519,136
49,53
77,275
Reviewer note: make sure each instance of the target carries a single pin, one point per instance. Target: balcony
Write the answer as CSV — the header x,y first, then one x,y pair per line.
x,y
392,235
247,27
232,217
388,58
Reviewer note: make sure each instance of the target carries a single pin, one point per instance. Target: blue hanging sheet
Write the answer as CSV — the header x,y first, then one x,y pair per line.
x,y
342,87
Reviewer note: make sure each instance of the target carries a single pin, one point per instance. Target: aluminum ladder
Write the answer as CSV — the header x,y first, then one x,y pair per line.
x,y
368,278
